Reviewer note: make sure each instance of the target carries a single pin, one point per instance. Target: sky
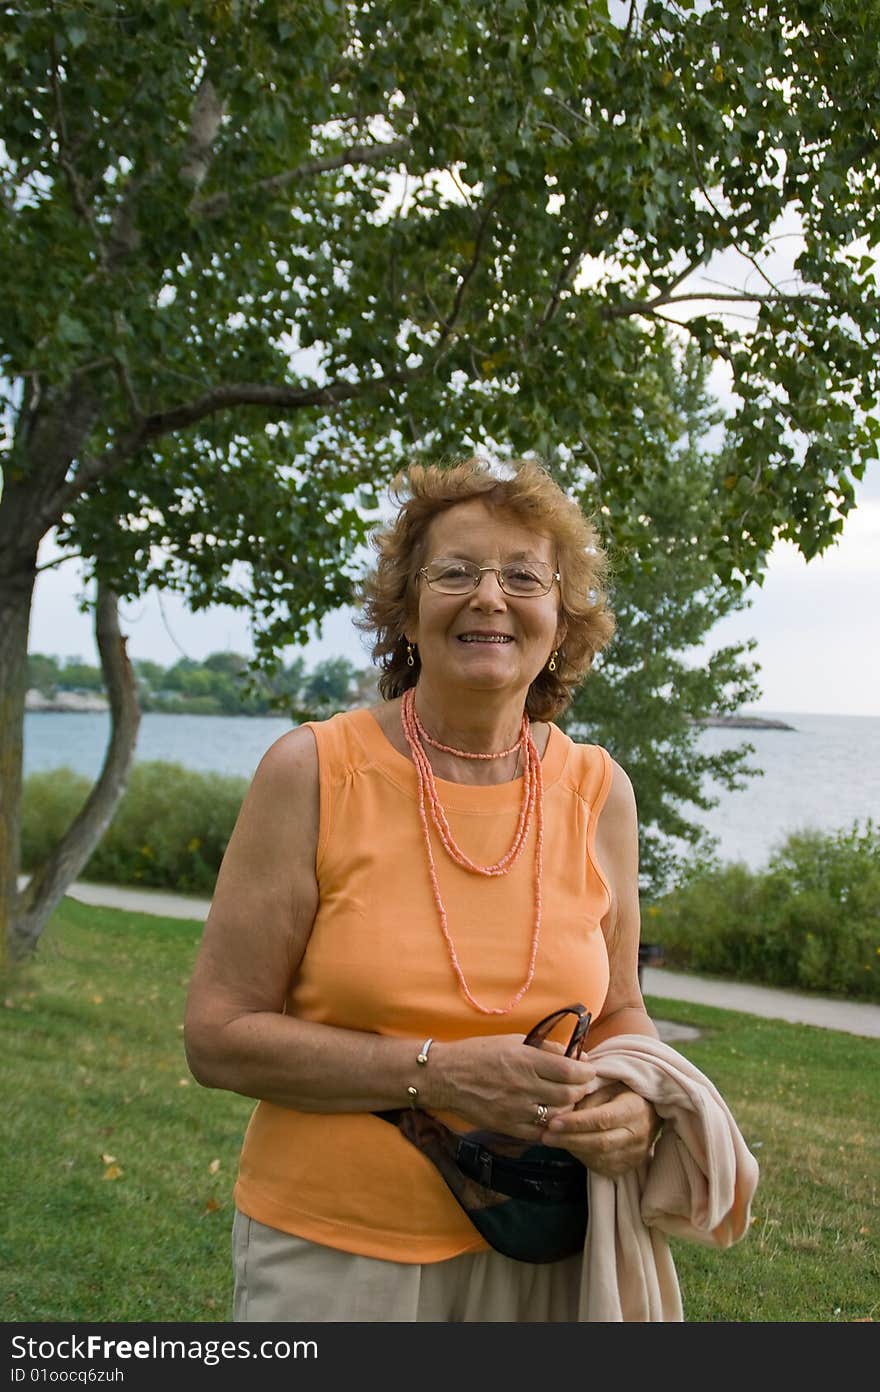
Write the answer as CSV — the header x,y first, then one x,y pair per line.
x,y
817,624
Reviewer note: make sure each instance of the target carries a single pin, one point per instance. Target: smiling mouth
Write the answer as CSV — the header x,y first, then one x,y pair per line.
x,y
484,638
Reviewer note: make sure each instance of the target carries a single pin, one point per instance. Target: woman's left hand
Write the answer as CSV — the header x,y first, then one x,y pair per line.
x,y
611,1131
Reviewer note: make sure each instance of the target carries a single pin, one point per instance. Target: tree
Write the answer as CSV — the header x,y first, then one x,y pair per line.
x,y
231,664
329,686
254,253
646,698
42,673
76,675
148,678
149,672
175,677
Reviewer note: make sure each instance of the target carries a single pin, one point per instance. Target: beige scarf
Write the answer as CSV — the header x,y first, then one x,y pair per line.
x,y
698,1185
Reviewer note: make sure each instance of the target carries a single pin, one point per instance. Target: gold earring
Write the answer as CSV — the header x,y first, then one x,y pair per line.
x,y
551,665
410,660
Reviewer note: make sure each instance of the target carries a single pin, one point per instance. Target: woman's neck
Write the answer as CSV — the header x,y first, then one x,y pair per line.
x,y
482,727
485,727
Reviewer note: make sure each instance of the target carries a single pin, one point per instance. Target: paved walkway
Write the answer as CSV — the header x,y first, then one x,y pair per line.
x,y
851,1017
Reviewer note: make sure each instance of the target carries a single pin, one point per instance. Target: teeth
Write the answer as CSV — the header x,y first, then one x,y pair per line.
x,y
485,638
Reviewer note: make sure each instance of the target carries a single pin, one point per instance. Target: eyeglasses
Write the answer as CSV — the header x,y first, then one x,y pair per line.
x,y
522,579
539,1032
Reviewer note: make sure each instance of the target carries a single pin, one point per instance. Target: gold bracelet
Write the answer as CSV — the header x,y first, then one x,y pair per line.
x,y
421,1060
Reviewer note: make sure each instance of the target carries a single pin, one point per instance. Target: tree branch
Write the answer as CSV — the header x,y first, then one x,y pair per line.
x,y
208,110
631,307
687,324
207,113
725,222
58,561
354,154
56,432
91,471
565,277
259,394
227,396
78,198
47,887
630,22
127,386
28,407
578,115
468,275
674,283
554,130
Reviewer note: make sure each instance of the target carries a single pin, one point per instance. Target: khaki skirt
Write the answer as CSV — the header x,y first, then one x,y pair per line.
x,y
284,1279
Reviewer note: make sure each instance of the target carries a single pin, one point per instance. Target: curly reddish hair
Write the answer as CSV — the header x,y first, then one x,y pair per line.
x,y
530,496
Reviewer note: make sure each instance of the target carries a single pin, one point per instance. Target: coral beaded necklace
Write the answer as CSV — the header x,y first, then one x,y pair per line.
x,y
531,809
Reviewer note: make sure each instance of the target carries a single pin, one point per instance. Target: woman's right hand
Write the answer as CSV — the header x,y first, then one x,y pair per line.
x,y
497,1083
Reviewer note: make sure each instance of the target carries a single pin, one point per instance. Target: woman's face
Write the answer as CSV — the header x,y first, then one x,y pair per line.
x,y
486,640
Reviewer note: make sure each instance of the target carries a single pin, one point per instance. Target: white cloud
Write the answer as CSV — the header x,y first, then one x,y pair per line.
x,y
816,624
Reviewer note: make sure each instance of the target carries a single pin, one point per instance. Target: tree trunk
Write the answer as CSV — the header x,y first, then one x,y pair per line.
x,y
16,592
49,883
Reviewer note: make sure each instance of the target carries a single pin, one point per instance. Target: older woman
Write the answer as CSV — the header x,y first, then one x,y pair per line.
x,y
407,890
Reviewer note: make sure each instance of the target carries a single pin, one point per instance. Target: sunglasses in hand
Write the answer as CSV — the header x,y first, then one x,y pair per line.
x,y
538,1034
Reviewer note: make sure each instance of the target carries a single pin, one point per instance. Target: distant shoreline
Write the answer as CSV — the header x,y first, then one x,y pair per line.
x,y
67,702
744,722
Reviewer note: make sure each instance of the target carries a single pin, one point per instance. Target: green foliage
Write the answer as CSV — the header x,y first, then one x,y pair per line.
x,y
254,255
150,674
224,684
169,832
42,673
51,674
74,675
330,687
50,803
809,921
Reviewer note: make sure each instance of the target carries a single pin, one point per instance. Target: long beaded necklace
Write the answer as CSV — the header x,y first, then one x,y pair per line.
x,y
531,808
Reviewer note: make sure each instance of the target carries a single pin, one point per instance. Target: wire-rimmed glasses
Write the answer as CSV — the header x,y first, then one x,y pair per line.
x,y
521,579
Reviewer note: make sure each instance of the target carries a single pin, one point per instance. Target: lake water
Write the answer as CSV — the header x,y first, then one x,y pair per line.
x,y
825,773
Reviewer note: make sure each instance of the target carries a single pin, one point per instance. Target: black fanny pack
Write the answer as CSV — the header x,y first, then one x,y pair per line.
x,y
527,1200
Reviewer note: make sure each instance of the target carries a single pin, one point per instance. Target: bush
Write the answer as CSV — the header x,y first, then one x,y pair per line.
x,y
169,832
50,803
809,921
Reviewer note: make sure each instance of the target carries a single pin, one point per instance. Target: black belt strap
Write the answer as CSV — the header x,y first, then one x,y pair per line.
x,y
554,1177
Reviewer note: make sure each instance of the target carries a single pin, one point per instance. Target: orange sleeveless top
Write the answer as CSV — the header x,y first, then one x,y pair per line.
x,y
377,961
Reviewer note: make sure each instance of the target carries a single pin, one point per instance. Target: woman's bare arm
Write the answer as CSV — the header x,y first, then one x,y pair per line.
x,y
236,1034
617,852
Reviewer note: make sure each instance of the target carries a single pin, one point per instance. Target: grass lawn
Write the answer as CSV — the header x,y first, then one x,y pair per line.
x,y
119,1168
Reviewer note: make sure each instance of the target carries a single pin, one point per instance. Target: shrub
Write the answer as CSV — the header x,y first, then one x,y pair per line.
x,y
810,920
169,832
50,803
